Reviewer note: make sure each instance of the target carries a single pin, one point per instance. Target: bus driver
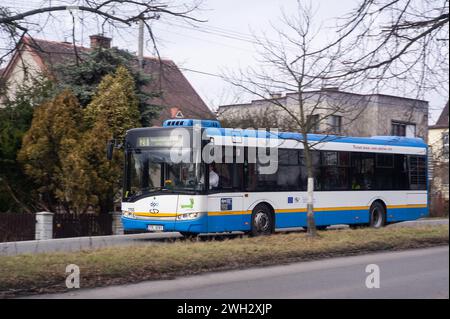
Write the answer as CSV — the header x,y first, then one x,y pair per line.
x,y
213,177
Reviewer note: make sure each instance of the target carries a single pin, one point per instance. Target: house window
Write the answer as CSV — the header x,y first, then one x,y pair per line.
x,y
313,123
403,129
445,145
336,124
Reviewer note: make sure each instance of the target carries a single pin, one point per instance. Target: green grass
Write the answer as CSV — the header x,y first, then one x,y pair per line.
x,y
34,273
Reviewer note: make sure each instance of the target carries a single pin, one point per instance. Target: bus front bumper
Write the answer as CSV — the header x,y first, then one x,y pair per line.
x,y
197,225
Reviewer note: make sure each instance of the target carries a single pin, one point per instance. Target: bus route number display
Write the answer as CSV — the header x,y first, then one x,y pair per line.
x,y
160,141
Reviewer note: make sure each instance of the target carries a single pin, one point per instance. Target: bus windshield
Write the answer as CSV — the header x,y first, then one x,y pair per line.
x,y
153,170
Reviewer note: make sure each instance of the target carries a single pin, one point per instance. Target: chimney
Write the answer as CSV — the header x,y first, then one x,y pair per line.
x,y
275,95
100,41
330,88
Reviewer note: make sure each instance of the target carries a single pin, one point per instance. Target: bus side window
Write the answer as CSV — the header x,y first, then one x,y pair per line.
x,y
362,170
334,170
315,157
250,174
230,173
400,178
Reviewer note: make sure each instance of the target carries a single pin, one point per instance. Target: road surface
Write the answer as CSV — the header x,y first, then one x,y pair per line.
x,y
420,273
86,243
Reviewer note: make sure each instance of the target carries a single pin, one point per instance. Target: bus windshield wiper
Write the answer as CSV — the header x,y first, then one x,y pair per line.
x,y
146,190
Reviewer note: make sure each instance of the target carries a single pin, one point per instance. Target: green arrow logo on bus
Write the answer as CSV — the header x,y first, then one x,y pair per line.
x,y
190,205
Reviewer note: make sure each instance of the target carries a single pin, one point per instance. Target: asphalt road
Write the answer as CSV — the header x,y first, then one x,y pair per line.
x,y
421,273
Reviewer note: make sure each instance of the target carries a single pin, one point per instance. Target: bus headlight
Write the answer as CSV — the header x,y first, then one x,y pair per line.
x,y
188,216
128,214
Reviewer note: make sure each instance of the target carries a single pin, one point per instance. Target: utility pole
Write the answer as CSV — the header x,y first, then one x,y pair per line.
x,y
141,44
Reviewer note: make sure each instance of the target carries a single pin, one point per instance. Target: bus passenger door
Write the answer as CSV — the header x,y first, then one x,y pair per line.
x,y
225,212
225,203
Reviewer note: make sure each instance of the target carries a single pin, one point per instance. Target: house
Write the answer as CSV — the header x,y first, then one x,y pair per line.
x,y
336,112
178,97
439,157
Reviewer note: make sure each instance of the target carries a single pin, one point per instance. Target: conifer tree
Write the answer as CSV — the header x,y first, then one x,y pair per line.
x,y
16,115
91,178
54,133
115,101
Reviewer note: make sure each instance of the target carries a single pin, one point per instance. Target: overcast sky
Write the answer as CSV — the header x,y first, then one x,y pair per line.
x,y
223,43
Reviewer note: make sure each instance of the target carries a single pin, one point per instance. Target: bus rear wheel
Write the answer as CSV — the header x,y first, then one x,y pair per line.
x,y
262,221
377,215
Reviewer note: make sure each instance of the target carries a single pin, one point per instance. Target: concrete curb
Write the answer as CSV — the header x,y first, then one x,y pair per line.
x,y
422,222
96,242
80,243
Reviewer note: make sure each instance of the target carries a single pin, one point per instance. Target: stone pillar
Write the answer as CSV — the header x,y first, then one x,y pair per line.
x,y
117,227
44,225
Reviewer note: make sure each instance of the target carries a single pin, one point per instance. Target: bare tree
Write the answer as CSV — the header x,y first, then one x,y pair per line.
x,y
397,43
297,65
17,23
246,117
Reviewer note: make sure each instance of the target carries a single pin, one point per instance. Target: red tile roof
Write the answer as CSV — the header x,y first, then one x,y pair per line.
x,y
167,78
176,90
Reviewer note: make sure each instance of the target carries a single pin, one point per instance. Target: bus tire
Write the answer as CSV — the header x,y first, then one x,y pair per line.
x,y
262,221
377,215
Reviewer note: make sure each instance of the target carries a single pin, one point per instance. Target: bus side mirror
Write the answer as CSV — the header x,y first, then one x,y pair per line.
x,y
110,149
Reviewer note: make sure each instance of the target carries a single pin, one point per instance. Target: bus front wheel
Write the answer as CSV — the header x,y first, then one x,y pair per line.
x,y
262,221
377,215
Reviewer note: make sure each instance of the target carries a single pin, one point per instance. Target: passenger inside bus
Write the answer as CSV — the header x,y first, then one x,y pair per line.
x,y
355,184
213,177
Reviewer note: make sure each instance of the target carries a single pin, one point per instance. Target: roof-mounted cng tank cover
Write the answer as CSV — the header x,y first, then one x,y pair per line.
x,y
190,123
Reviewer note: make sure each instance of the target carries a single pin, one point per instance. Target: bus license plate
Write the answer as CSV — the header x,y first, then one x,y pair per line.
x,y
155,227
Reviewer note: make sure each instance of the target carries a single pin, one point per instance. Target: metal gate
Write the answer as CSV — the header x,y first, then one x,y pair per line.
x,y
77,225
17,226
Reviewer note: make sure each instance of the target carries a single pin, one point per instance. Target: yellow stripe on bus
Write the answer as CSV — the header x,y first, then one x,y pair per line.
x,y
156,214
294,210
325,209
290,210
229,213
408,206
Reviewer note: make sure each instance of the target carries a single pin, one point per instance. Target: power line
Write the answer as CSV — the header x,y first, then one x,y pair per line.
x,y
226,33
207,40
213,32
204,73
207,29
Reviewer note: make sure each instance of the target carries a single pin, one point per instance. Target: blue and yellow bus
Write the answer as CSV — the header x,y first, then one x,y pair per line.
x,y
358,180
